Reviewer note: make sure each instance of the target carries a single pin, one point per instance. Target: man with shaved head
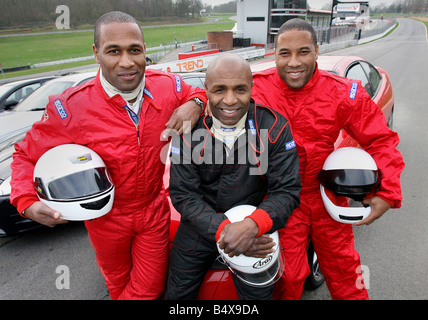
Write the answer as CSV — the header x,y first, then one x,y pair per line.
x,y
242,154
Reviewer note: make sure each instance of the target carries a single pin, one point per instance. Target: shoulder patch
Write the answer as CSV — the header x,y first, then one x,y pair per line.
x,y
252,127
290,145
60,108
177,83
175,150
353,92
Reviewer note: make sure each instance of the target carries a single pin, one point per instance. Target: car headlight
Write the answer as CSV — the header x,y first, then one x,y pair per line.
x,y
5,188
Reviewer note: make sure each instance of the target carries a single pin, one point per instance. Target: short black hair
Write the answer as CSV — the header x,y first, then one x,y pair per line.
x,y
297,24
112,17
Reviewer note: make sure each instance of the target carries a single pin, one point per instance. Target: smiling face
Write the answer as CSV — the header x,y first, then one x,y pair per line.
x,y
295,57
228,86
121,55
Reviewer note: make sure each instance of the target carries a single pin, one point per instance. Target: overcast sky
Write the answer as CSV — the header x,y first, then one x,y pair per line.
x,y
315,4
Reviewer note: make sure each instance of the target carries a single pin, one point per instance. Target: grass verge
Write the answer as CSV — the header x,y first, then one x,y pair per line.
x,y
28,50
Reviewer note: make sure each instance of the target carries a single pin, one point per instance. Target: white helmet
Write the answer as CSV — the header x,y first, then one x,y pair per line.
x,y
256,272
349,172
74,180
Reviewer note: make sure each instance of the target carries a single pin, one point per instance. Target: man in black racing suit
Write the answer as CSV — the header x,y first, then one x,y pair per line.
x,y
243,154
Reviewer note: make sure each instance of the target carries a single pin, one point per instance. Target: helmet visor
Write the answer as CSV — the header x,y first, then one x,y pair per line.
x,y
79,185
351,183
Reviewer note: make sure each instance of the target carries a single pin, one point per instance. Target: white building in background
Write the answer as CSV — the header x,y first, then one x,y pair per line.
x,y
260,20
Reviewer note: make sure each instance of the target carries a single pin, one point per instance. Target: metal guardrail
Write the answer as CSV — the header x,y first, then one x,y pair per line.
x,y
339,37
380,26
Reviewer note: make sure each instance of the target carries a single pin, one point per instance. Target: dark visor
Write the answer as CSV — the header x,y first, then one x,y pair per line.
x,y
79,185
352,183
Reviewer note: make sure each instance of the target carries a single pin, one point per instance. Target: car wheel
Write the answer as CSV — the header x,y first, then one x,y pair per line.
x,y
315,278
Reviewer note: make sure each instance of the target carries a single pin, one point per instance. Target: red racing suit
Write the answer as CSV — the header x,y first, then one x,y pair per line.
x,y
317,112
131,241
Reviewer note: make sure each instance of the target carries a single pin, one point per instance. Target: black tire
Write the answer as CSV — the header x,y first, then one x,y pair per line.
x,y
315,278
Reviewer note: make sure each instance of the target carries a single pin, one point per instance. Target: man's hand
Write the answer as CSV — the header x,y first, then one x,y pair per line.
x,y
261,247
42,214
180,118
378,207
237,237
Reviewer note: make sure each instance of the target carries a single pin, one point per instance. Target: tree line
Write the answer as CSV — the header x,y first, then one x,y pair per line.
x,y
404,7
29,13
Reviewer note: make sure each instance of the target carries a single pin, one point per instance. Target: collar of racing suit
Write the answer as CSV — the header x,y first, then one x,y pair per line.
x,y
228,134
250,123
126,95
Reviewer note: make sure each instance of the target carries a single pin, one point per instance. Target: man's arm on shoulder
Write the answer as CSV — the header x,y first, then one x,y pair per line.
x,y
192,105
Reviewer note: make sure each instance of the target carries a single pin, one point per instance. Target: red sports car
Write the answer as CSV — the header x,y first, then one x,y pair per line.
x,y
218,283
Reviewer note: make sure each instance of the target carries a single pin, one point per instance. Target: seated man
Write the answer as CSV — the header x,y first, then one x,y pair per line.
x,y
243,154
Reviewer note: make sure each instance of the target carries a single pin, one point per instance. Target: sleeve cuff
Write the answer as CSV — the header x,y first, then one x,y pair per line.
x,y
263,220
24,202
200,96
394,203
220,229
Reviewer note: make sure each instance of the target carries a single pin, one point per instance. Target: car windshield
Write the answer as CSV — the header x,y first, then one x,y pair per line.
x,y
5,88
40,98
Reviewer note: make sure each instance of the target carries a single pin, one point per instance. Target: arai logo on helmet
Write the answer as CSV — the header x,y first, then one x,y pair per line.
x,y
263,262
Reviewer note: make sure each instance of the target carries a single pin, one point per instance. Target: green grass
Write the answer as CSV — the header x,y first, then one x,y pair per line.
x,y
156,36
32,49
29,50
392,30
424,21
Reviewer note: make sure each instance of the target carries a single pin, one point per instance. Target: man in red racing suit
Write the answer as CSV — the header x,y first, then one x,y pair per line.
x,y
131,241
318,107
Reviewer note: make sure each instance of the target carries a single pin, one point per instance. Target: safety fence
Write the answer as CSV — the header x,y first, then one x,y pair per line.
x,y
339,37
